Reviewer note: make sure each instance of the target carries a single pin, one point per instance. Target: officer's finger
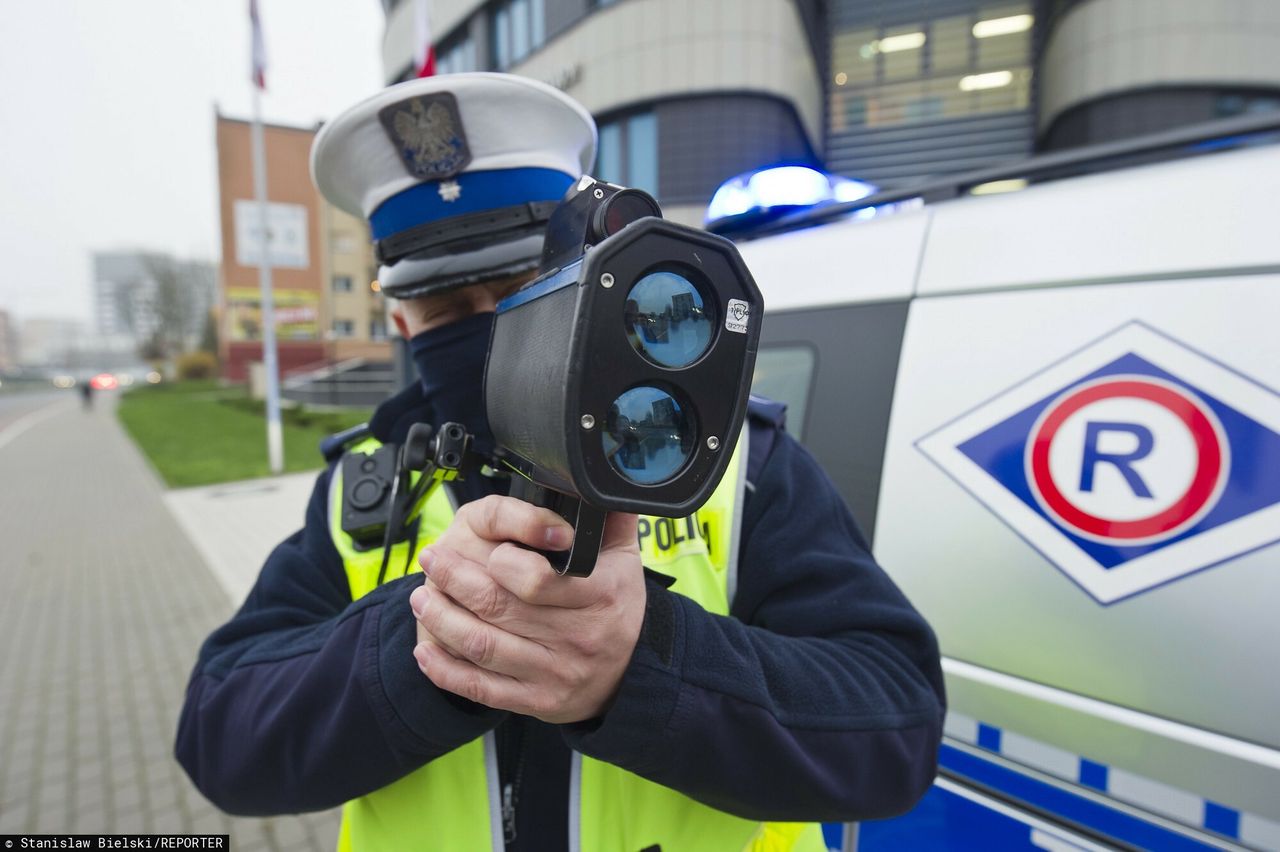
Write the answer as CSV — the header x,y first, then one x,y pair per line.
x,y
423,634
529,577
467,637
470,585
497,518
479,685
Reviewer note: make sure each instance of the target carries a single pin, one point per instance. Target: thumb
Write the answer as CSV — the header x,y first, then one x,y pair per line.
x,y
621,533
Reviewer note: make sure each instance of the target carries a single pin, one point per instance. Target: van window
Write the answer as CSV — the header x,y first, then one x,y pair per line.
x,y
785,374
841,411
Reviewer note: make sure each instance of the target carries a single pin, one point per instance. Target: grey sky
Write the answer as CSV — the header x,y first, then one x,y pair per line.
x,y
106,123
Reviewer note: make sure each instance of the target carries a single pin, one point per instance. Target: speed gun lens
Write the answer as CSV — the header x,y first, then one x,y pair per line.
x,y
667,320
648,436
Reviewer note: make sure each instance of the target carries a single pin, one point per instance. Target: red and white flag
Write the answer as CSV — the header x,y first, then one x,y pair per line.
x,y
424,55
259,48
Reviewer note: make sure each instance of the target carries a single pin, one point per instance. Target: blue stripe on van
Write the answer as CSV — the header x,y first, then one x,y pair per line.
x,y
1062,803
989,737
1212,816
1222,819
1093,774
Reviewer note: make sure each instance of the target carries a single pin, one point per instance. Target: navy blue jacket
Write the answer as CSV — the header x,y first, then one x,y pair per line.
x,y
820,699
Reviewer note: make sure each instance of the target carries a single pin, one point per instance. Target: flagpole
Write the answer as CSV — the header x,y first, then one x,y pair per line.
x,y
275,440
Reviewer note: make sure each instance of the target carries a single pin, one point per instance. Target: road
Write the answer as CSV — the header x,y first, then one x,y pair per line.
x,y
15,406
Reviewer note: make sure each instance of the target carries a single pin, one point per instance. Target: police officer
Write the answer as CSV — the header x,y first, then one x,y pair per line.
x,y
720,682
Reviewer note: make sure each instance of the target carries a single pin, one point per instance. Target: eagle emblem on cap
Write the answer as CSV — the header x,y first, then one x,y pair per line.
x,y
428,134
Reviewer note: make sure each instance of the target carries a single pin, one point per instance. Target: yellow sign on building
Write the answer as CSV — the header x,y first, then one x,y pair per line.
x,y
297,314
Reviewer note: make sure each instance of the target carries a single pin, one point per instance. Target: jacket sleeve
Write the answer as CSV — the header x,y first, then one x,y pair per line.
x,y
821,699
305,699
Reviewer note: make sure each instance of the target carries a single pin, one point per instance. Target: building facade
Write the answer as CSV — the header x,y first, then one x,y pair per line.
x,y
1111,69
926,88
888,91
685,94
52,342
327,307
138,294
357,312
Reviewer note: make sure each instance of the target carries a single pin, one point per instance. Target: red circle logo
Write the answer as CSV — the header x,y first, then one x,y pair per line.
x,y
1127,460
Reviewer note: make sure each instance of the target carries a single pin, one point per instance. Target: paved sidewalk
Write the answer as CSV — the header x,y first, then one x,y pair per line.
x,y
103,604
236,525
17,410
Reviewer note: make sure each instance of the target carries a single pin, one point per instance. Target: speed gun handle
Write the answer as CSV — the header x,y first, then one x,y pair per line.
x,y
587,522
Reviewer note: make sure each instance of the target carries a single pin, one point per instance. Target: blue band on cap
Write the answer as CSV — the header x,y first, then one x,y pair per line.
x,y
478,191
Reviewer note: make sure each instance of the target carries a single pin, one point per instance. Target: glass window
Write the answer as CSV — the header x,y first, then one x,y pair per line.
x,y
343,328
1002,51
342,283
923,108
853,57
902,52
502,38
642,152
518,28
785,374
537,23
955,100
609,154
1237,103
951,67
949,41
457,56
847,111
628,152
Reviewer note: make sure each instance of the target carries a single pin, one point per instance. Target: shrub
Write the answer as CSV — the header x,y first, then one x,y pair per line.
x,y
197,365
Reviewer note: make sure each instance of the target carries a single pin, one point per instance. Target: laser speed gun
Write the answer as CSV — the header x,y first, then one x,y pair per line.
x,y
617,380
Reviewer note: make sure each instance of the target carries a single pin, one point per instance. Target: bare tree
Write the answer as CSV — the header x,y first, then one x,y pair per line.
x,y
170,303
131,300
209,335
176,301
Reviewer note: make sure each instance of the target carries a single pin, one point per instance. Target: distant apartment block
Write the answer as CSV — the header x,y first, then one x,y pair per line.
x,y
129,290
51,342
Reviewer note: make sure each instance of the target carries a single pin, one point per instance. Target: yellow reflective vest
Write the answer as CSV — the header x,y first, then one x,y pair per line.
x,y
452,803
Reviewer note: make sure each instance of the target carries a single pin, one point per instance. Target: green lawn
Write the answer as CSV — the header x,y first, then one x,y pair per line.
x,y
196,433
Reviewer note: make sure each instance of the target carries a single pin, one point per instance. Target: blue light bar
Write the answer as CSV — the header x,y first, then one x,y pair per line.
x,y
757,195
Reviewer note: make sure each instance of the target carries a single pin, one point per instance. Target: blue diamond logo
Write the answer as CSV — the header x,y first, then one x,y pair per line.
x,y
1131,463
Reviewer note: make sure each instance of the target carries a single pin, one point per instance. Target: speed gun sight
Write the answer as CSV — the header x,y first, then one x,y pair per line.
x,y
617,380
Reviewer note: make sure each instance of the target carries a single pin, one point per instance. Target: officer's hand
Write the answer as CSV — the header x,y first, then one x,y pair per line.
x,y
498,626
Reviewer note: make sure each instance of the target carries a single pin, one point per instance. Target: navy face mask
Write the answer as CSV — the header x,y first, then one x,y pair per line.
x,y
450,362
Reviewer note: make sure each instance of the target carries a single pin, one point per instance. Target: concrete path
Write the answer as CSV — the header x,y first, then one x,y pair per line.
x,y
20,412
235,526
103,604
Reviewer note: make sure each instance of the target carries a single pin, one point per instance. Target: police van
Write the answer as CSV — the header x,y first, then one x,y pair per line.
x,y
1056,413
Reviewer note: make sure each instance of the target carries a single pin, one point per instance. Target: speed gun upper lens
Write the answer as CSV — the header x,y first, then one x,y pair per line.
x,y
667,320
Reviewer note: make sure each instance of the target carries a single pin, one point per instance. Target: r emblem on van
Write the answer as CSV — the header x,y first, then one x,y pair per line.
x,y
1130,463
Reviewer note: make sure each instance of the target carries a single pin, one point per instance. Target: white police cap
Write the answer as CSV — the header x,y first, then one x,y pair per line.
x,y
456,174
